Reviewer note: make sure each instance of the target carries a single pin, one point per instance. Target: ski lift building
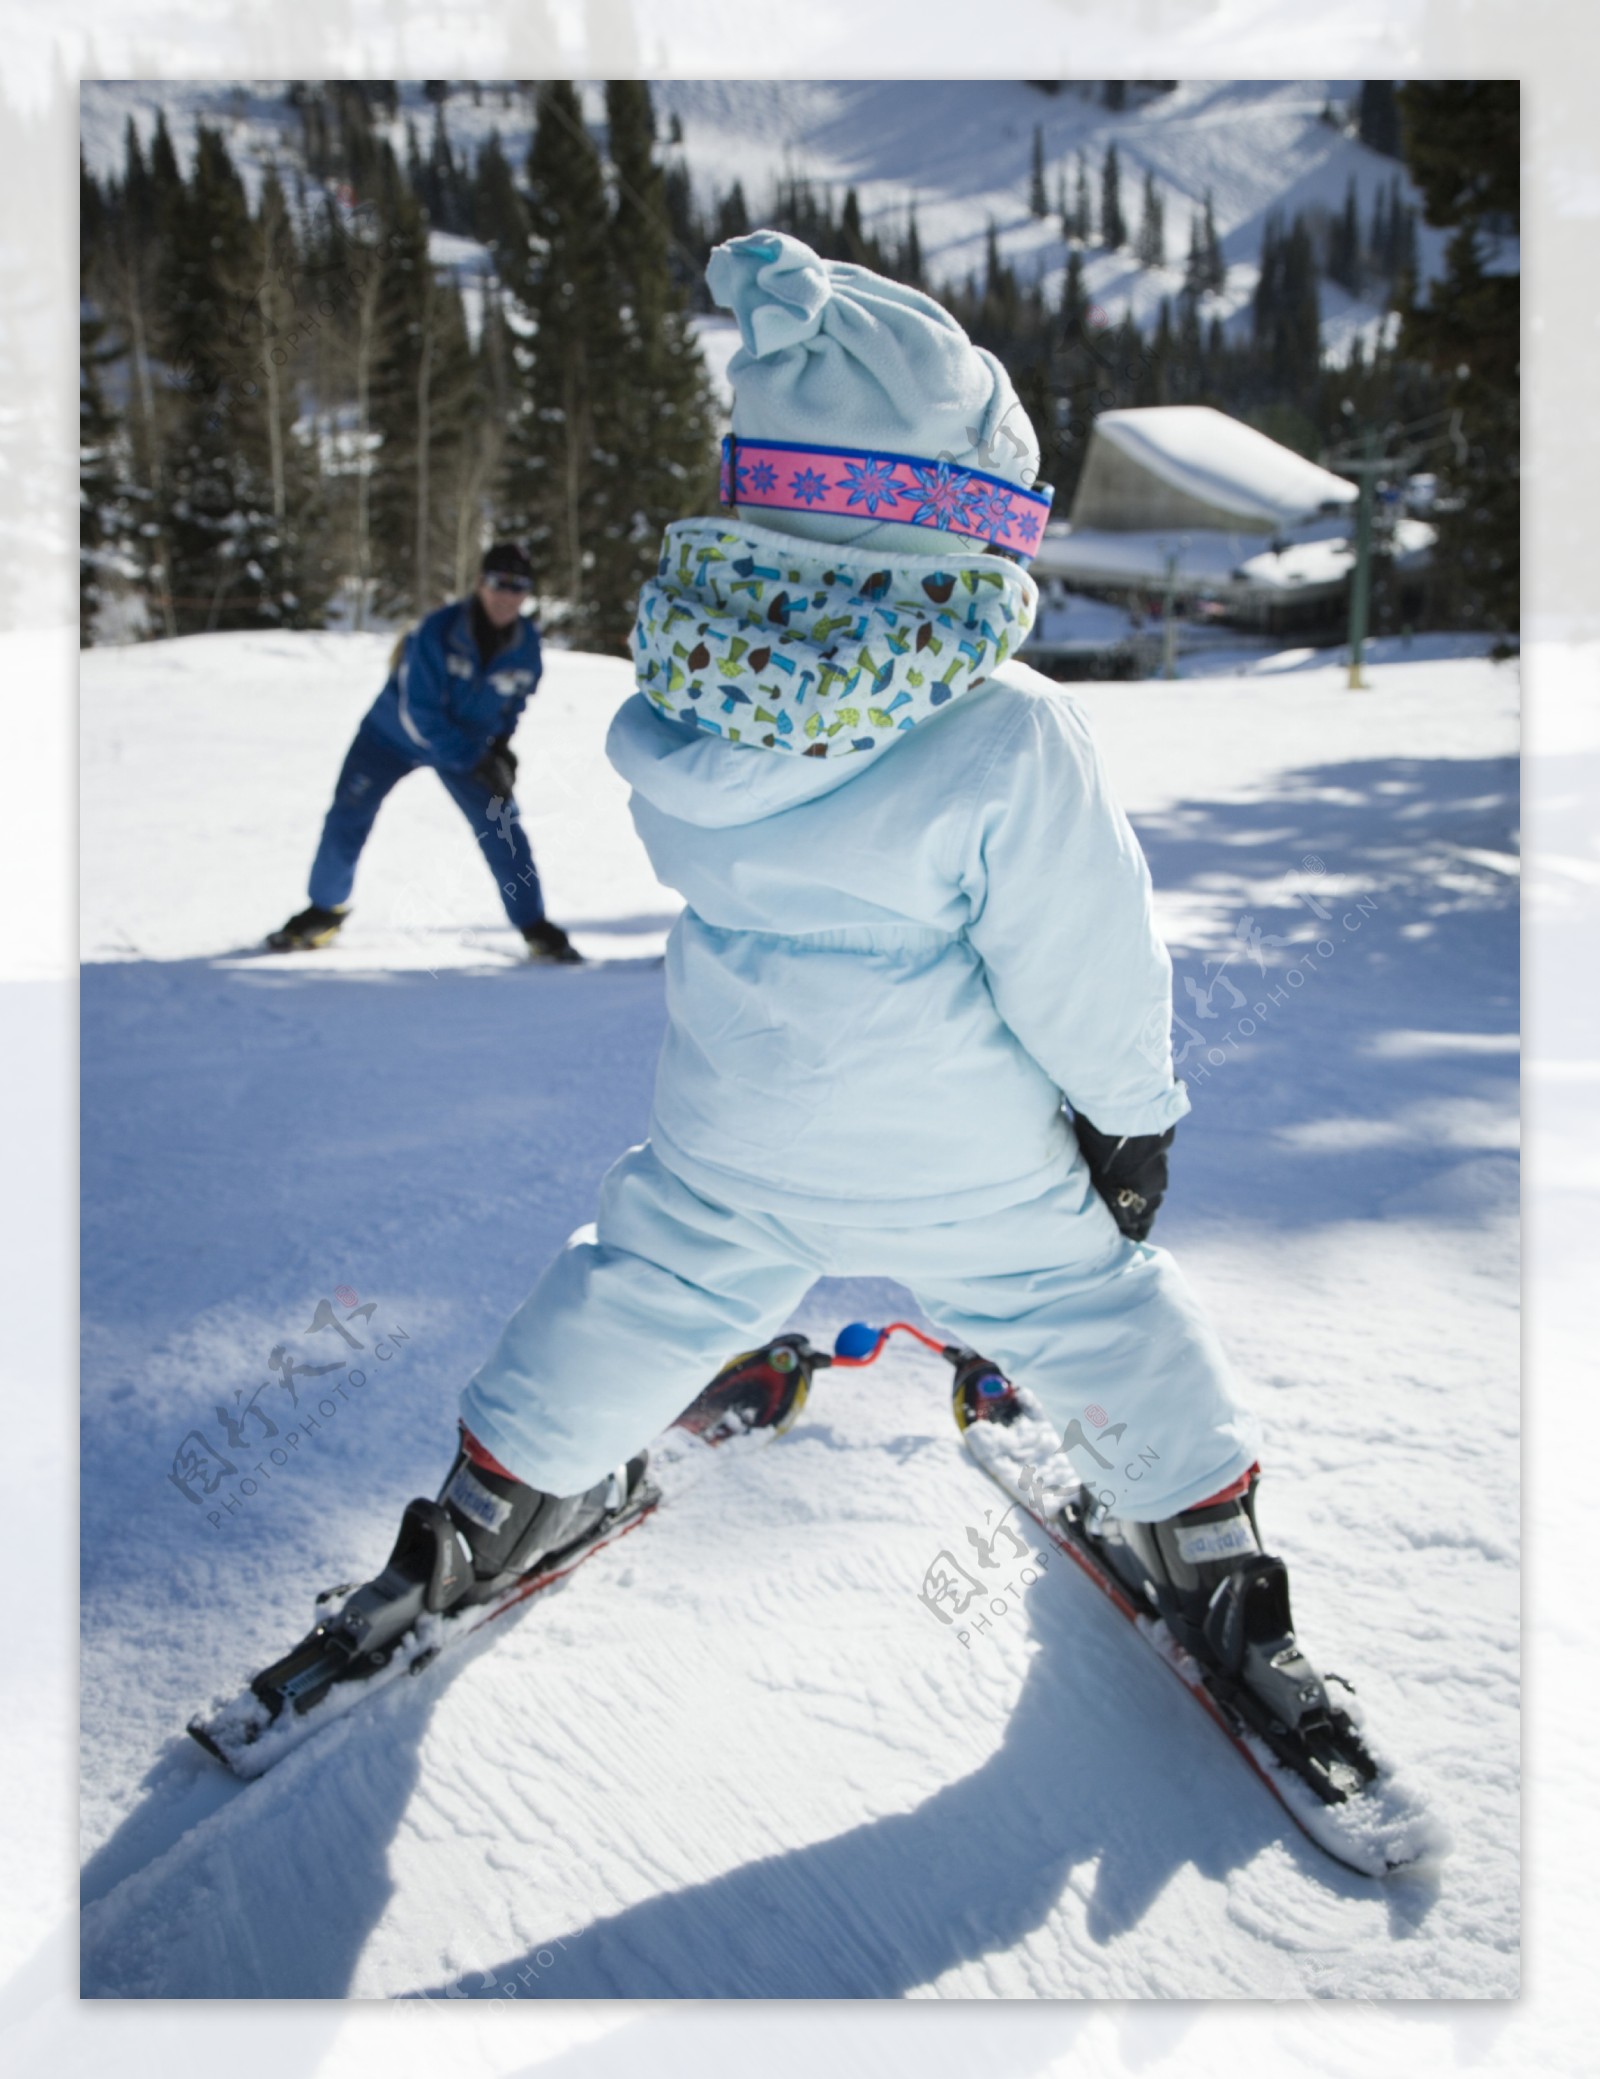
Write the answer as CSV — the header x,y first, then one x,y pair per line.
x,y
1183,496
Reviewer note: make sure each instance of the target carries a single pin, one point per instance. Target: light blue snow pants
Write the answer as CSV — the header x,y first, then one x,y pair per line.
x,y
638,1312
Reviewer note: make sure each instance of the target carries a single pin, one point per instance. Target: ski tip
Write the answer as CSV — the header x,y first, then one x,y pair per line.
x,y
1425,1844
1387,1831
200,1734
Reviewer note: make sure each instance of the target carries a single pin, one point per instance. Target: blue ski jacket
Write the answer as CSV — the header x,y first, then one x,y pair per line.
x,y
917,918
442,705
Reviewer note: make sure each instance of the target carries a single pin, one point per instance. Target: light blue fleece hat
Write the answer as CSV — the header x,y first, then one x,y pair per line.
x,y
839,356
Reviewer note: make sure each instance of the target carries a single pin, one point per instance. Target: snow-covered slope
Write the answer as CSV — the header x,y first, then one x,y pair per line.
x,y
959,150
736,1755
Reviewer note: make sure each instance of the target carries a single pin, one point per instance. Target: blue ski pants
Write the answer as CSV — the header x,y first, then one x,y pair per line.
x,y
371,768
640,1310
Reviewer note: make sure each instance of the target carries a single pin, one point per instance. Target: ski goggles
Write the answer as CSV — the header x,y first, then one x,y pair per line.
x,y
503,581
869,484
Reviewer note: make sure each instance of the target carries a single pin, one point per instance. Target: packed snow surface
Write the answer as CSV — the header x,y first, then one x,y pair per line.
x,y
736,1754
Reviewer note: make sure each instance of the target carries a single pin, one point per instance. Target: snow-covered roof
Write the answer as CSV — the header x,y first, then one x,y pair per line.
x,y
1202,557
1218,461
1212,560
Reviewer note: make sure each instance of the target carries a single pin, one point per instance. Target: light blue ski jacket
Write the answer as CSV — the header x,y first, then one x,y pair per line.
x,y
908,940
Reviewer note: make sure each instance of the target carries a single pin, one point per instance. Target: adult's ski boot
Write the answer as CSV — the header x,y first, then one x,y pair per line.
x,y
549,944
308,928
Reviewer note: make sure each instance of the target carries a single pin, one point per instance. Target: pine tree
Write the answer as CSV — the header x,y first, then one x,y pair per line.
x,y
166,177
1463,149
1296,344
356,145
564,466
419,407
1378,119
661,402
1074,300
1344,243
1082,216
1038,201
733,215
853,243
1380,252
102,517
362,262
442,180
1405,251
1000,307
217,515
128,280
911,253
1156,373
689,236
1113,226
1216,268
468,448
1394,228
1188,371
1151,248
275,474
499,216
1194,266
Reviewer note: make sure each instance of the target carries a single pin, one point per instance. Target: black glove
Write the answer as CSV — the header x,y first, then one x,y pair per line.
x,y
1129,1172
497,768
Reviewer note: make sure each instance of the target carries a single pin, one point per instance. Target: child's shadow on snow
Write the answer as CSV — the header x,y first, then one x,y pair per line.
x,y
1107,1782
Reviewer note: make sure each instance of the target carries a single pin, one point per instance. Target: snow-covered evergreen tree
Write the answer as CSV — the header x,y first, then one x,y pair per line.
x,y
1151,248
564,463
658,415
1113,225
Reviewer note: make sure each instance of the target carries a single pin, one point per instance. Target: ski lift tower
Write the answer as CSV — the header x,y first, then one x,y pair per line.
x,y
1368,466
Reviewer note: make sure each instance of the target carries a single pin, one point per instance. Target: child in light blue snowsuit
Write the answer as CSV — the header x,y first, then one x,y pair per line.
x,y
916,920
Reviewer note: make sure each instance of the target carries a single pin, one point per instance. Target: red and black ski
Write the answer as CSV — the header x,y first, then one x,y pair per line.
x,y
1336,1786
752,1400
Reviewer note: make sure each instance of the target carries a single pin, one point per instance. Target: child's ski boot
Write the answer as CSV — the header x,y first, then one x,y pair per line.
x,y
508,1528
1226,1603
486,1532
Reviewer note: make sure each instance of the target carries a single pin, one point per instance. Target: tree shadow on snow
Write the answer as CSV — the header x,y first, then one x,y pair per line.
x,y
1345,990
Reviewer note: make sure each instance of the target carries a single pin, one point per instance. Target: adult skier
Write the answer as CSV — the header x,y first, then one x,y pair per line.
x,y
918,1010
454,695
